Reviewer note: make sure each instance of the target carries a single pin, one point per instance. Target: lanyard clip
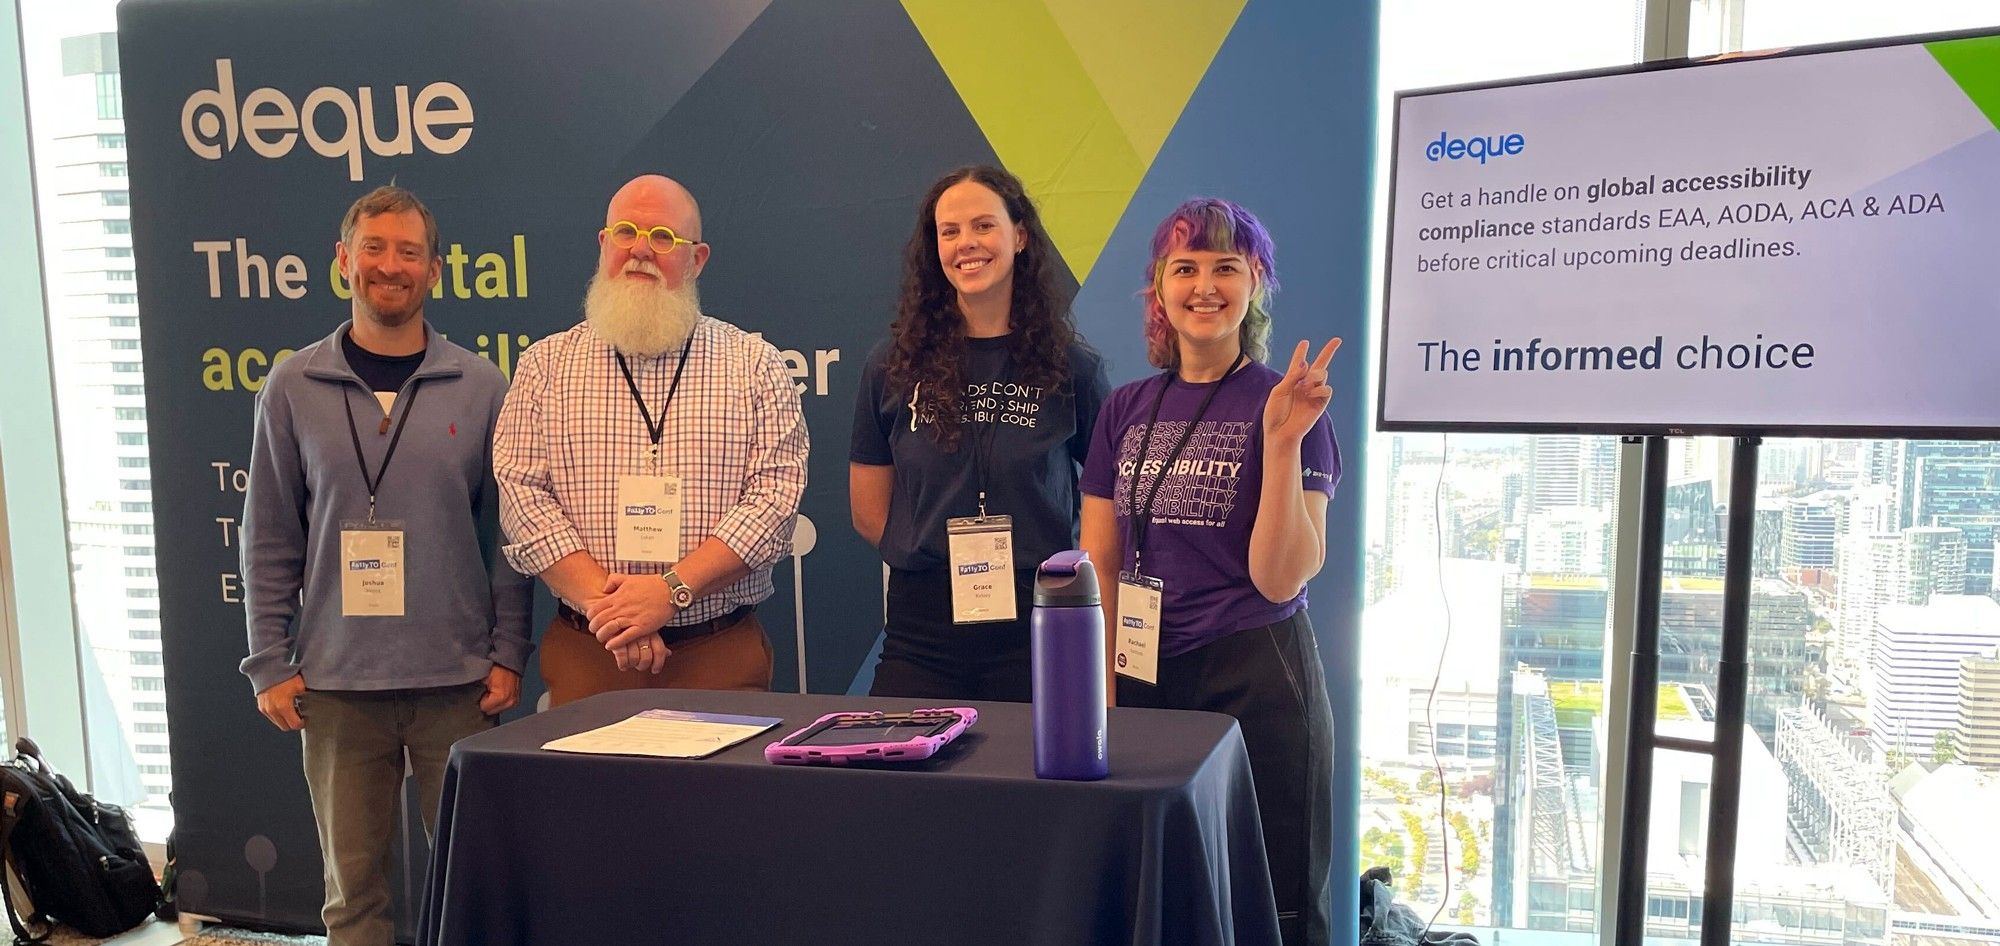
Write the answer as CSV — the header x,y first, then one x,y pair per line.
x,y
982,504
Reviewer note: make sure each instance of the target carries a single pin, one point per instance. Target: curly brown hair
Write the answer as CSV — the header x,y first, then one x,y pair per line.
x,y
929,332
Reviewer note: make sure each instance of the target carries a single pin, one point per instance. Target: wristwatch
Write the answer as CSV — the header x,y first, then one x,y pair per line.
x,y
682,594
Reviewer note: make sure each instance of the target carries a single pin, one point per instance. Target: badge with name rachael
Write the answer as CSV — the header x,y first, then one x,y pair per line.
x,y
649,519
982,568
371,568
1138,653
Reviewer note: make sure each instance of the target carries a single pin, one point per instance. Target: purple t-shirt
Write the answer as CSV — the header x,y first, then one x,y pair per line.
x,y
1199,539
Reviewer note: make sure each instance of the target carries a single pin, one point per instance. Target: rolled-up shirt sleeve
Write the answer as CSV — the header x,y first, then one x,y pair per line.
x,y
539,533
759,527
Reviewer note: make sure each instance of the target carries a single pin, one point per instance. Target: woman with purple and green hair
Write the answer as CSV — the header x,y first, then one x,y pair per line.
x,y
1207,485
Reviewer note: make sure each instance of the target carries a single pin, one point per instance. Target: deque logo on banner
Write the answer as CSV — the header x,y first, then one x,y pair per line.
x,y
1478,148
268,121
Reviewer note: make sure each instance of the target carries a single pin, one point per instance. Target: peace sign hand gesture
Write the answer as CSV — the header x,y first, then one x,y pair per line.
x,y
1300,397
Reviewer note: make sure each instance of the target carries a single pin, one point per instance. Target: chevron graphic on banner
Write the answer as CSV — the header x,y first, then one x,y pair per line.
x,y
1109,81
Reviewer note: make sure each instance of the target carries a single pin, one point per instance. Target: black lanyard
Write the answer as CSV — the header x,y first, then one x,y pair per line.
x,y
1142,516
375,482
982,450
655,428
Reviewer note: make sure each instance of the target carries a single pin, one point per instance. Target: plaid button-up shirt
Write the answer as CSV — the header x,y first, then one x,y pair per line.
x,y
734,434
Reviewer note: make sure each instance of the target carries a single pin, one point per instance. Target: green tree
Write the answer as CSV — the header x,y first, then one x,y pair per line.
x,y
1467,903
1944,749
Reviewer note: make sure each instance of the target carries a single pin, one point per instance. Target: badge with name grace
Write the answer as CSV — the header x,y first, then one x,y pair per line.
x,y
982,568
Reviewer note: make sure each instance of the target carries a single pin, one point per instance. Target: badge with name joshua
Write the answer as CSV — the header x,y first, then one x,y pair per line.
x,y
982,568
649,519
371,568
1138,652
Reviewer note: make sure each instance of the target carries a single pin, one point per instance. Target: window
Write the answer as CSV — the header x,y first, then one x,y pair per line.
x,y
145,707
122,298
142,592
149,727
1518,541
122,321
143,614
135,485
117,199
131,572
132,528
117,226
149,684
134,463
128,413
128,439
128,390
124,344
110,99
144,634
111,168
119,275
127,367
118,252
145,658
155,770
111,141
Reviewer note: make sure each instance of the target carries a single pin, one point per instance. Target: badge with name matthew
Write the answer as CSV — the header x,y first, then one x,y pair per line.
x,y
1138,652
371,568
649,519
982,568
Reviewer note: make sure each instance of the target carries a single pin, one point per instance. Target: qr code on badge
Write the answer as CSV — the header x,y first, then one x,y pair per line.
x,y
1000,543
395,541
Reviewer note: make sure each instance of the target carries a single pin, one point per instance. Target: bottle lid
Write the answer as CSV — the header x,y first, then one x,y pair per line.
x,y
1066,580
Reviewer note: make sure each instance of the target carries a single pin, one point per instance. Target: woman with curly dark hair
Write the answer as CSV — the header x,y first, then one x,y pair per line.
x,y
969,431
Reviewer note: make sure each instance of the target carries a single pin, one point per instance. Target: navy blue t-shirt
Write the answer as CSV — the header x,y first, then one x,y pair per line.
x,y
384,374
1039,439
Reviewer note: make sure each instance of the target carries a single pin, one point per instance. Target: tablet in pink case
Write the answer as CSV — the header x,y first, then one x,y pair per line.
x,y
841,738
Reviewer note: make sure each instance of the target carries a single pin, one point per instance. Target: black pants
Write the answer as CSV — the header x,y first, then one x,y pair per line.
x,y
926,656
1271,680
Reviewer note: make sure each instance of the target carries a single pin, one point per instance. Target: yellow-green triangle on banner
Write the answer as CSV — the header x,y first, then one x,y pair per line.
x,y
1076,96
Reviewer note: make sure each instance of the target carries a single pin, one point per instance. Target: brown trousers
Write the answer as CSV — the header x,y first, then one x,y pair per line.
x,y
736,657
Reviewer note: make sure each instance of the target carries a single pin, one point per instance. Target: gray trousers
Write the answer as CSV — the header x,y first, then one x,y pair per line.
x,y
354,744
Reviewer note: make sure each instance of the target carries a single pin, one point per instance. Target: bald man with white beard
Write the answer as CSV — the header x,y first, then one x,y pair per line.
x,y
650,462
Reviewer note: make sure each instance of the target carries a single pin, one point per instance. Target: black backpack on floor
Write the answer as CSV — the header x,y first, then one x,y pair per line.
x,y
79,859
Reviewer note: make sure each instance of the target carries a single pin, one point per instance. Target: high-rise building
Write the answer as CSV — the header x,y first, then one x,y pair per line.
x,y
1915,670
1978,736
1880,569
1569,540
94,331
1808,532
1962,492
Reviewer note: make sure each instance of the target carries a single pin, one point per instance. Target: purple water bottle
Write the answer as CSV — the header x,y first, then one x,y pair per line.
x,y
1068,633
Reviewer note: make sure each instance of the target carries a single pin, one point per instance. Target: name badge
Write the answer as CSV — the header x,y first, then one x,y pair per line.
x,y
371,568
1138,654
982,568
649,519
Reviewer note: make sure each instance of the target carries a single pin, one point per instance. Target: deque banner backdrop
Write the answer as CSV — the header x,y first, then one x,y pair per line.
x,y
807,130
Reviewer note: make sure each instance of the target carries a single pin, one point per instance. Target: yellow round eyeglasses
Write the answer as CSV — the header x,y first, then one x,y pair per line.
x,y
625,235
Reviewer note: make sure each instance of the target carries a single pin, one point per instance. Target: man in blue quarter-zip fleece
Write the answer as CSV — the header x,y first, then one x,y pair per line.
x,y
382,616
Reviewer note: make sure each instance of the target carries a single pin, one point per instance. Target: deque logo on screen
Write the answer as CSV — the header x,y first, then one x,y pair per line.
x,y
212,121
1447,148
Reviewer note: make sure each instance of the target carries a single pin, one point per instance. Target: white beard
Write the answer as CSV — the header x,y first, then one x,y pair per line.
x,y
638,317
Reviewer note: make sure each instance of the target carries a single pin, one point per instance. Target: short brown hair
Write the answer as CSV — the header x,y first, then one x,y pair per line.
x,y
388,199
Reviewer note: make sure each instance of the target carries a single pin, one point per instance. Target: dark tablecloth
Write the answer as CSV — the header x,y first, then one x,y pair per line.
x,y
544,848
